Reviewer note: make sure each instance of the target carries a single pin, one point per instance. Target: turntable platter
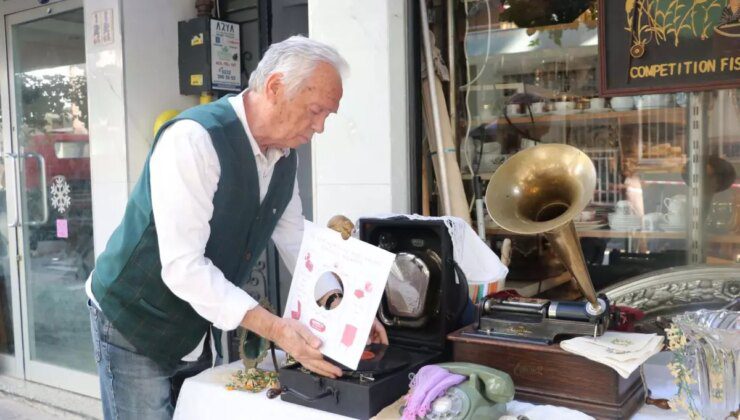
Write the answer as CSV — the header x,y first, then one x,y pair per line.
x,y
379,359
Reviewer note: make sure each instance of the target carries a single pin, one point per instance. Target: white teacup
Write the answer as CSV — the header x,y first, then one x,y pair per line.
x,y
651,221
681,99
486,111
622,103
675,204
564,106
675,219
652,101
513,109
596,104
538,107
586,216
623,207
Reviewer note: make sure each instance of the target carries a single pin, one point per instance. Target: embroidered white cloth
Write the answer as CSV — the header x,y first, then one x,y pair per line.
x,y
621,351
475,258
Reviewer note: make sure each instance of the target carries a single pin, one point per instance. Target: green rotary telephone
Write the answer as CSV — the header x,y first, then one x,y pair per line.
x,y
483,396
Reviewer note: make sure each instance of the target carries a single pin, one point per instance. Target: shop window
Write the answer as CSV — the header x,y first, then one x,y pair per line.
x,y
529,74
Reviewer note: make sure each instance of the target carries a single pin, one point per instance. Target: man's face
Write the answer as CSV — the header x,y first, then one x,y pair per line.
x,y
299,117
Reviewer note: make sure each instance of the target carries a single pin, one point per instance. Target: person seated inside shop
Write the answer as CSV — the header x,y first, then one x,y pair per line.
x,y
219,183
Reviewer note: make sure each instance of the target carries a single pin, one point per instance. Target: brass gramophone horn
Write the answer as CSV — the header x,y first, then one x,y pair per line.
x,y
540,190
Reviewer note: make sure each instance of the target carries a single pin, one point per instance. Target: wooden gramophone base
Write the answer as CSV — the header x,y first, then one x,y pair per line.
x,y
550,375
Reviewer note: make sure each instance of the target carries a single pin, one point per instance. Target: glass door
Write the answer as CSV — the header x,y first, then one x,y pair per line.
x,y
48,101
8,280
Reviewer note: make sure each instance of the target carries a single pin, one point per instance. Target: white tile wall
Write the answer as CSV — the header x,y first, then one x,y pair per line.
x,y
130,82
353,201
107,125
150,66
360,162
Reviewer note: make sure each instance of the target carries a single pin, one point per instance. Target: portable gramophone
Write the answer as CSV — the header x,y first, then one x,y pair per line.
x,y
422,302
541,190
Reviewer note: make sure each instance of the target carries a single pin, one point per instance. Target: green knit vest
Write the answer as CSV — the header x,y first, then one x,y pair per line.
x,y
127,280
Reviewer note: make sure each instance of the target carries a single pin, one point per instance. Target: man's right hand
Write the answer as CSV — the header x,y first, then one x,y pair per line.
x,y
293,337
299,342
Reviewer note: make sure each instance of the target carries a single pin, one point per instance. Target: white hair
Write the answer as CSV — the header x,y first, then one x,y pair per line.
x,y
295,58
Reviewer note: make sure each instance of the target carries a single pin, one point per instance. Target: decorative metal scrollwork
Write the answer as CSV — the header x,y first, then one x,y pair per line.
x,y
669,292
256,282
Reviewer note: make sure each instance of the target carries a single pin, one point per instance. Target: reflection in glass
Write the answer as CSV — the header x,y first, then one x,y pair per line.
x,y
6,304
51,111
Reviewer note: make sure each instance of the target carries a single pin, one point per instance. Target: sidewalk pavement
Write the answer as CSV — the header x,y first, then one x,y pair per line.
x,y
18,408
25,400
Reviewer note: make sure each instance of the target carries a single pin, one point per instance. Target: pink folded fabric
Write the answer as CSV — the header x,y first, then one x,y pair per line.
x,y
428,384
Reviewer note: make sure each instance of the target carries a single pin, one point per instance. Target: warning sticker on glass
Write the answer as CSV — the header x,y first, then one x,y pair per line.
x,y
62,230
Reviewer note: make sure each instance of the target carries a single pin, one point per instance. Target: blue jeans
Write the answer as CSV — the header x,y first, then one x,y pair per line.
x,y
132,386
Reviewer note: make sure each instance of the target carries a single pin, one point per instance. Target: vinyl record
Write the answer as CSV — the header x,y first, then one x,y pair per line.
x,y
379,359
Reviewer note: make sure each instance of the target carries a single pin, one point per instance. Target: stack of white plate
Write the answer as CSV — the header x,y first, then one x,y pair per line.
x,y
624,222
670,227
590,225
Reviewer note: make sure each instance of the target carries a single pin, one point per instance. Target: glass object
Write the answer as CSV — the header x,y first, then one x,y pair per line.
x,y
56,217
709,364
407,286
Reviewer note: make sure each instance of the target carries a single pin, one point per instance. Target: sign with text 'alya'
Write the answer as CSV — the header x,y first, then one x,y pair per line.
x,y
650,46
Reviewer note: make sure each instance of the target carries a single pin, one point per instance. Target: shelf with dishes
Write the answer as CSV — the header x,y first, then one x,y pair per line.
x,y
604,233
666,165
672,115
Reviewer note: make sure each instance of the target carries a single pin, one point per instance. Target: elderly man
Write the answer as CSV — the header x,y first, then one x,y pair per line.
x,y
218,184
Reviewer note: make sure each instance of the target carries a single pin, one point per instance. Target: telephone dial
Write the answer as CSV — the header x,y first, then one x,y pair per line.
x,y
482,396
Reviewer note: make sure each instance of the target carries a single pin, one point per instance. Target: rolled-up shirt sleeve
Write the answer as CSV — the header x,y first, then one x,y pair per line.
x,y
288,232
184,173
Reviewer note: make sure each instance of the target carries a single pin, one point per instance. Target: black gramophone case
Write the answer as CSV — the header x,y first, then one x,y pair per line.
x,y
415,339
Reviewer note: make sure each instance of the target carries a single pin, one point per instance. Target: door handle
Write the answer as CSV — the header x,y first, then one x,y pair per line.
x,y
13,158
44,193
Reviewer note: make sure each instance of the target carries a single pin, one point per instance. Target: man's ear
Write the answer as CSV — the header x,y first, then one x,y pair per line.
x,y
274,86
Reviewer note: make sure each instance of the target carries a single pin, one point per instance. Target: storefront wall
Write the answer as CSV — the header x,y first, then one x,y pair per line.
x,y
360,164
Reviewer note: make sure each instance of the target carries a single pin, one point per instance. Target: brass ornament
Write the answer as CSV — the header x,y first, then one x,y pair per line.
x,y
637,50
342,225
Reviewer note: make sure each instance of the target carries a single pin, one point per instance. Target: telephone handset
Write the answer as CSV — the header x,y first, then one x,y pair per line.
x,y
483,396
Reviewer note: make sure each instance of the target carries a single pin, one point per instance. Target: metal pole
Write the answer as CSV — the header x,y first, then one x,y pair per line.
x,y
451,64
431,79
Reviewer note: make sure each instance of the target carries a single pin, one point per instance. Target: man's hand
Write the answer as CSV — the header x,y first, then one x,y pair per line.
x,y
299,342
377,333
293,337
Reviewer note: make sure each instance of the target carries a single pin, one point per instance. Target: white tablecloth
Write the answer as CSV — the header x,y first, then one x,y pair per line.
x,y
205,397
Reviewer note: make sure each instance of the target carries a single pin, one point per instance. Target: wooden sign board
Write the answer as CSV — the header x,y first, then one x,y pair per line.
x,y
657,46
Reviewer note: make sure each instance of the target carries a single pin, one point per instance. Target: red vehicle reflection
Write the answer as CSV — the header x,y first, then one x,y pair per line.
x,y
64,154
59,190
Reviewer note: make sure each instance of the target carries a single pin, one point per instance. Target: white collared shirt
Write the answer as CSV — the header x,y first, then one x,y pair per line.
x,y
184,173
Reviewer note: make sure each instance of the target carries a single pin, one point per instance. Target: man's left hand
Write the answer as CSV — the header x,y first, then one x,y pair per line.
x,y
377,333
